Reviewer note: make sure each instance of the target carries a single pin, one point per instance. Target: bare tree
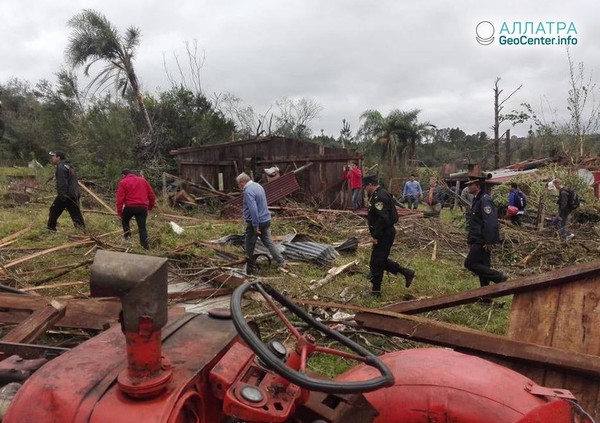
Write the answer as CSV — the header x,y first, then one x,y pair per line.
x,y
498,106
581,104
190,76
294,116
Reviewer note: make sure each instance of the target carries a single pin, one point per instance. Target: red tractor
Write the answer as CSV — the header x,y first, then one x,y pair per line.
x,y
189,368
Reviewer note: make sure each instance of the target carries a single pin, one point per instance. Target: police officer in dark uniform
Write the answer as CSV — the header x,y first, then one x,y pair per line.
x,y
482,223
381,218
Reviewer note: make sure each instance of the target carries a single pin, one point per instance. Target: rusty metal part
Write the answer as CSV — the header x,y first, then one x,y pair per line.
x,y
542,391
336,408
17,369
141,283
275,190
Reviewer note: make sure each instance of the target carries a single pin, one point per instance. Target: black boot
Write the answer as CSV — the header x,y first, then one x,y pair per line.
x,y
408,274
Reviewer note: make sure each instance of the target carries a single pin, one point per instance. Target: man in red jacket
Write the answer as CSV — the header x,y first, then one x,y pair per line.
x,y
135,198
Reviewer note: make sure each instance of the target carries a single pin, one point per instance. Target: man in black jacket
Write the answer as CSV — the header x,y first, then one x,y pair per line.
x,y
482,222
564,209
381,218
67,189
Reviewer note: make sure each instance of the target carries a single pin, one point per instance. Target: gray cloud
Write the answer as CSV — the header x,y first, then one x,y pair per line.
x,y
350,55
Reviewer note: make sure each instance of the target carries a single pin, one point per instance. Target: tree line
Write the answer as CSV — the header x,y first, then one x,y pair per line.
x,y
109,123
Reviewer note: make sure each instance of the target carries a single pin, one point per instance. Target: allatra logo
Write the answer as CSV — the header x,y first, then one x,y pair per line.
x,y
485,33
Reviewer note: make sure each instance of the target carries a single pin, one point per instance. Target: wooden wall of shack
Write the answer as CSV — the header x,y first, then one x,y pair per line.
x,y
320,185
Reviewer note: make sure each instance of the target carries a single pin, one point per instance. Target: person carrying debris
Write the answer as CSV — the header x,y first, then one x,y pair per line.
x,y
412,192
567,202
258,221
381,219
67,188
483,235
435,197
518,201
135,198
353,174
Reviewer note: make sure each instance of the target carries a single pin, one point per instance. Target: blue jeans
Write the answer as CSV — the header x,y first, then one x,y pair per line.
x,y
562,225
265,237
356,199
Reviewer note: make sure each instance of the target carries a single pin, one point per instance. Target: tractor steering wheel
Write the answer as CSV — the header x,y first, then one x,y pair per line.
x,y
305,346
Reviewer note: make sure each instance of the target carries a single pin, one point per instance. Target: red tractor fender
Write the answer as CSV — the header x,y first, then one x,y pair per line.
x,y
443,386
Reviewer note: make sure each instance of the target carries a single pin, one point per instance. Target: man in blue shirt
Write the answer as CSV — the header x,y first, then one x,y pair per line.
x,y
258,220
412,192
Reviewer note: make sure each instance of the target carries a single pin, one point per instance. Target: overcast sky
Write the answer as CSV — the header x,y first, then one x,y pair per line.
x,y
348,55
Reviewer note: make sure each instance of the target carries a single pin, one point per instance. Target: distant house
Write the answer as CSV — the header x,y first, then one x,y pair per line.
x,y
321,184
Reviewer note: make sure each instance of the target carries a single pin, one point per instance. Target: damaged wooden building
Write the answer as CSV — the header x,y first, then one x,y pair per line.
x,y
321,184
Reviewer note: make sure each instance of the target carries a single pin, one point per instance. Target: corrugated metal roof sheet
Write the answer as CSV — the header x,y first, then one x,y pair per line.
x,y
505,175
299,247
275,190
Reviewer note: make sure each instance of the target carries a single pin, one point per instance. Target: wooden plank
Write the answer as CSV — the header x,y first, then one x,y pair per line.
x,y
447,335
54,285
91,314
566,317
13,237
196,294
226,279
47,251
98,199
83,314
30,351
534,310
588,271
38,322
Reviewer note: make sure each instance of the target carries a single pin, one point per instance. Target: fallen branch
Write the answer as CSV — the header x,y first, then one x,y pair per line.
x,y
332,273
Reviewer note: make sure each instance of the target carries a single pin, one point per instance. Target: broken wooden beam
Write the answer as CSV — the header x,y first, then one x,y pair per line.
x,y
98,199
453,336
528,283
82,314
197,294
47,251
36,324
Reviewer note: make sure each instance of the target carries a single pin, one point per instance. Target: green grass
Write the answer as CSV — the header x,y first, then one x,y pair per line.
x,y
433,278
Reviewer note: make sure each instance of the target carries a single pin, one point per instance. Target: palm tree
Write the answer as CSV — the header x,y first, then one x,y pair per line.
x,y
394,136
95,39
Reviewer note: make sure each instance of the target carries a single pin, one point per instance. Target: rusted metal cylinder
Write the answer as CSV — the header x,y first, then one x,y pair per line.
x,y
141,284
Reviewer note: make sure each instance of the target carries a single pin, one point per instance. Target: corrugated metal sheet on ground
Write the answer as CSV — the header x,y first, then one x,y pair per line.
x,y
299,247
275,190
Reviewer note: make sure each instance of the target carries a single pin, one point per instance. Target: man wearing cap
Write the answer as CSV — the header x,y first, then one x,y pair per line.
x,y
135,198
381,218
483,235
67,188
